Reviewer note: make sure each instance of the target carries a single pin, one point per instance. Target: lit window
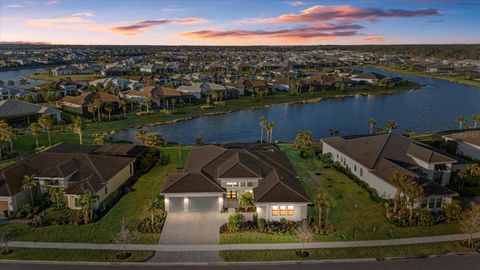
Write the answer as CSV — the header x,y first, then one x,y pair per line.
x,y
232,184
231,194
283,210
290,210
274,210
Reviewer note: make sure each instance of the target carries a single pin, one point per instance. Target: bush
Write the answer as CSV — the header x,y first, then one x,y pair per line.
x,y
424,217
261,222
148,161
453,211
58,216
146,225
234,222
144,113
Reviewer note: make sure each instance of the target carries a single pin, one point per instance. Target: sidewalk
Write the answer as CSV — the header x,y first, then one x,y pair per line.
x,y
218,247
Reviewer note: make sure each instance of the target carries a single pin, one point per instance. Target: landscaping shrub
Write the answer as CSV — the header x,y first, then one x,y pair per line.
x,y
424,217
453,211
234,222
148,160
58,216
261,223
144,113
146,225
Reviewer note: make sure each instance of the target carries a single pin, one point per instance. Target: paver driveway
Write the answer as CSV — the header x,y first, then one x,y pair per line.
x,y
192,228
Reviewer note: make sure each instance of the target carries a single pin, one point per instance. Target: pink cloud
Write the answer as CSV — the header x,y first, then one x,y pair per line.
x,y
345,13
302,33
374,38
138,27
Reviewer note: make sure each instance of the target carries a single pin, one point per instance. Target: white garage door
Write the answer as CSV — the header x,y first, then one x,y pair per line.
x,y
203,204
175,204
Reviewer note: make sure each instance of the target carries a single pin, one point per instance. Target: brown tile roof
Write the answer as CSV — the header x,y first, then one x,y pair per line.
x,y
88,98
190,182
279,181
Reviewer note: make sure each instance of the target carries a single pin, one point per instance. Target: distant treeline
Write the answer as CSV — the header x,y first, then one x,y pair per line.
x,y
441,51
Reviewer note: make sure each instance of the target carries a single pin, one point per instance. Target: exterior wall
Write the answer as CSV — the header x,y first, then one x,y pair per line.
x,y
468,150
186,201
9,201
20,199
264,210
384,189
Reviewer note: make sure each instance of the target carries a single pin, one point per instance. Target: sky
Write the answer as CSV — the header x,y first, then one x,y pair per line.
x,y
241,22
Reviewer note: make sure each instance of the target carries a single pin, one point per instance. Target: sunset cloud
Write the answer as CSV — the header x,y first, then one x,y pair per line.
x,y
14,6
83,14
138,27
374,38
345,13
301,33
296,3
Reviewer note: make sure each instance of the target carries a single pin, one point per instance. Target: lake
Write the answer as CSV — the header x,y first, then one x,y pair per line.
x,y
434,107
16,75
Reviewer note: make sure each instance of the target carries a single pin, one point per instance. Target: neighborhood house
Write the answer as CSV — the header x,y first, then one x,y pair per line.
x,y
216,176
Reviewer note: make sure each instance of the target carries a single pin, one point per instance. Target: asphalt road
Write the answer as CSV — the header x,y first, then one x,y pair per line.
x,y
457,262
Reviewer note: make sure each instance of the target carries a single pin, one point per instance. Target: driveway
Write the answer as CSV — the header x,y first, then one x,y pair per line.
x,y
192,228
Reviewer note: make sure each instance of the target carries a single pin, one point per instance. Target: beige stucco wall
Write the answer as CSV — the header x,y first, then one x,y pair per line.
x,y
264,210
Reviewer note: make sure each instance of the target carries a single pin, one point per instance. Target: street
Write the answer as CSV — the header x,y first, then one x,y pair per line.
x,y
437,263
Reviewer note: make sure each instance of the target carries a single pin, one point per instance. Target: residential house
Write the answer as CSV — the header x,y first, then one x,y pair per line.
x,y
119,83
369,77
72,168
160,96
215,177
376,158
19,113
8,92
62,87
467,143
79,104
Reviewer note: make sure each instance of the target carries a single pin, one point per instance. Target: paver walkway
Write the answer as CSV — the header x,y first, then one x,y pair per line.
x,y
218,247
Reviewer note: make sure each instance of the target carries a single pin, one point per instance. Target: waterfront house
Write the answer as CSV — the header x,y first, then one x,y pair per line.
x,y
72,168
8,92
19,113
467,142
376,158
215,176
79,104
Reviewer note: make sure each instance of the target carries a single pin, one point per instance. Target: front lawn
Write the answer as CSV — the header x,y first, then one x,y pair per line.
x,y
75,255
346,253
132,208
74,77
355,217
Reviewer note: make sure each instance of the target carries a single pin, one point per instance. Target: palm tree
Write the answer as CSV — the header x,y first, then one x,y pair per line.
x,y
28,183
140,136
461,121
398,180
245,200
97,104
91,109
476,119
35,132
148,101
263,123
7,133
109,109
413,192
271,126
123,106
154,204
329,204
55,194
320,199
87,202
371,124
391,125
45,121
78,126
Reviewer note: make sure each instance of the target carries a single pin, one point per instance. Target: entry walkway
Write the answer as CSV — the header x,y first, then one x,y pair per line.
x,y
218,247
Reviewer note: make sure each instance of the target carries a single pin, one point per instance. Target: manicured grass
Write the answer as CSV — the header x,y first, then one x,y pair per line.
x,y
457,79
345,253
132,208
75,255
76,77
354,209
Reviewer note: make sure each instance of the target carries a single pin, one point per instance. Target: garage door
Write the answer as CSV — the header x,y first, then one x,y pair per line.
x,y
175,204
3,206
203,204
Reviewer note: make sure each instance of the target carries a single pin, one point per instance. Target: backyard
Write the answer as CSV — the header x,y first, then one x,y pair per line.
x,y
355,217
132,208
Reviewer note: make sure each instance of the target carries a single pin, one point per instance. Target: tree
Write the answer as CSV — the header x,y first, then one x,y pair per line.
x,y
154,204
109,109
391,125
453,211
91,109
398,180
148,102
102,137
28,183
10,83
153,139
35,132
476,119
199,138
371,124
461,121
140,136
323,200
97,104
263,123
7,133
78,126
270,127
329,204
6,234
304,234
304,139
413,193
470,222
123,106
123,237
46,122
87,202
245,200
55,194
